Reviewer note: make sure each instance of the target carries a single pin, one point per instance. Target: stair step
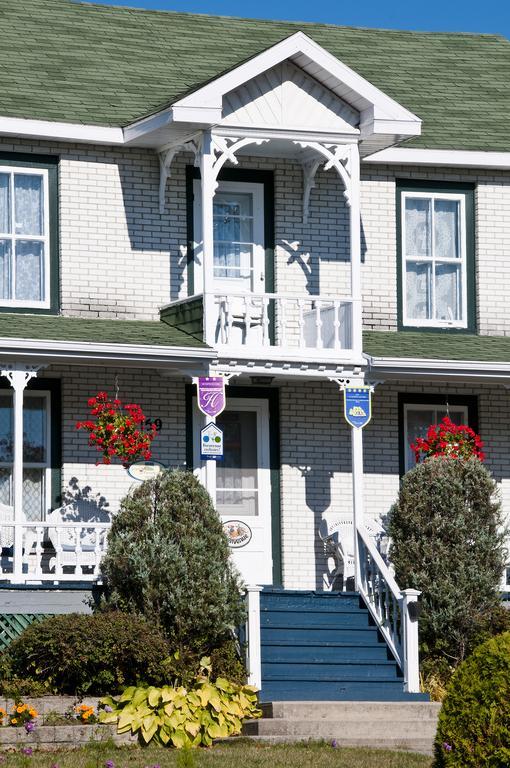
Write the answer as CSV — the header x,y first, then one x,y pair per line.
x,y
311,601
366,711
322,635
328,729
315,619
333,654
349,670
347,690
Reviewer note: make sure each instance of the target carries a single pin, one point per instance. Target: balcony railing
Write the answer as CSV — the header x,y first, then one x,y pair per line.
x,y
53,552
277,324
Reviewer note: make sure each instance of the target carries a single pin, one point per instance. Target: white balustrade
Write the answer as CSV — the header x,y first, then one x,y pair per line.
x,y
54,552
283,323
393,610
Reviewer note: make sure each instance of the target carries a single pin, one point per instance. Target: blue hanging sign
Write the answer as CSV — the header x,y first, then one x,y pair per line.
x,y
358,406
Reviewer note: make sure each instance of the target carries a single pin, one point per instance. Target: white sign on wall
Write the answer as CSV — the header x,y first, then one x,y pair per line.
x,y
211,442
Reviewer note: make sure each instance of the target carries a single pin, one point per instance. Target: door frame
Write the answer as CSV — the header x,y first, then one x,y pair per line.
x,y
273,398
253,176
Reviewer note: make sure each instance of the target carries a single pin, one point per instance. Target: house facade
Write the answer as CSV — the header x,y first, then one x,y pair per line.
x,y
294,208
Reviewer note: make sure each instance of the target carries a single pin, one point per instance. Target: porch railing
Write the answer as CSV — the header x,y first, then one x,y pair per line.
x,y
67,551
395,611
283,322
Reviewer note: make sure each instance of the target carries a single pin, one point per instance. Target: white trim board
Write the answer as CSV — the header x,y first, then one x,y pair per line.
x,y
23,128
440,157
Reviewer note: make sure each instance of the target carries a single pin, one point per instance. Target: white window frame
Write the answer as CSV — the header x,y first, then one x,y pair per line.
x,y
44,465
434,407
433,196
44,238
223,284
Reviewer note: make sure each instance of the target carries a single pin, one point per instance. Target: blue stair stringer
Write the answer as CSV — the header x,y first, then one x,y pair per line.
x,y
324,646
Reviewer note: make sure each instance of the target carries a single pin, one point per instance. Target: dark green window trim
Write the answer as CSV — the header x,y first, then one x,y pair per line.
x,y
49,163
236,174
422,398
52,386
273,398
468,190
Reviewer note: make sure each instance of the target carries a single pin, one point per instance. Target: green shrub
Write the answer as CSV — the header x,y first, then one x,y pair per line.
x,y
168,559
474,722
447,542
95,654
184,717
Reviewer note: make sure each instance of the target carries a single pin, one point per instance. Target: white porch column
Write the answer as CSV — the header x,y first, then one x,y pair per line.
x,y
207,190
357,495
18,375
254,656
410,640
355,248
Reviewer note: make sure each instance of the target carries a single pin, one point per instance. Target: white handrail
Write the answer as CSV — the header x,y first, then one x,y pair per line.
x,y
391,608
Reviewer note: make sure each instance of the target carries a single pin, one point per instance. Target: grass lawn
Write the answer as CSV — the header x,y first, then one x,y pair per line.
x,y
241,754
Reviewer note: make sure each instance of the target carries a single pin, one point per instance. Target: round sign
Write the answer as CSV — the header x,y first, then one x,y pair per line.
x,y
145,470
238,533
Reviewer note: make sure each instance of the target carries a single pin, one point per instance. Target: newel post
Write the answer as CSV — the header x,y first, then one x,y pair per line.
x,y
254,657
410,613
208,188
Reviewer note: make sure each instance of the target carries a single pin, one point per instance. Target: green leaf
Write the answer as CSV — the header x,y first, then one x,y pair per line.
x,y
128,693
154,696
179,739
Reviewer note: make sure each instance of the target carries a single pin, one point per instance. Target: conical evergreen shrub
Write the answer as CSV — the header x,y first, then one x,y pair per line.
x,y
447,541
168,560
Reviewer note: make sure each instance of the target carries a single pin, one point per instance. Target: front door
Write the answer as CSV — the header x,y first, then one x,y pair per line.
x,y
243,485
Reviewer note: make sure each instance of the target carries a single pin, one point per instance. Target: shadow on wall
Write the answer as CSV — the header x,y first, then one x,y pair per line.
x,y
87,506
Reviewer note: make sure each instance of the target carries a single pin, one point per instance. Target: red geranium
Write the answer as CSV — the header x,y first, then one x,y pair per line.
x,y
450,441
117,431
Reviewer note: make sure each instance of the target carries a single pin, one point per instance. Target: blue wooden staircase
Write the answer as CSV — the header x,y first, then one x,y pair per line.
x,y
324,646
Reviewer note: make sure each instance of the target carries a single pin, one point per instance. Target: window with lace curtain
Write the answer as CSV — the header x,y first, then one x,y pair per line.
x,y
26,217
436,257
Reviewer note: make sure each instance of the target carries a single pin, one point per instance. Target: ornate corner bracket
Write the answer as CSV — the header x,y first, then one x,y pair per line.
x,y
337,156
166,157
19,374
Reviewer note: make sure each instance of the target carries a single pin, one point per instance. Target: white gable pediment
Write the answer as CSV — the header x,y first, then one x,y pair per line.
x,y
287,97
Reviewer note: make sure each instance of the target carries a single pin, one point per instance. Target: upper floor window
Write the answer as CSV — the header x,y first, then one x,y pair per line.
x,y
27,236
436,257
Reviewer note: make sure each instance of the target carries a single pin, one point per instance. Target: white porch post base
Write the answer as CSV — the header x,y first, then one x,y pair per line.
x,y
254,656
411,642
18,376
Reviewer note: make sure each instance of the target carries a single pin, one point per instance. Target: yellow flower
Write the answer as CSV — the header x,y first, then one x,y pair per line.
x,y
32,712
86,715
13,720
20,709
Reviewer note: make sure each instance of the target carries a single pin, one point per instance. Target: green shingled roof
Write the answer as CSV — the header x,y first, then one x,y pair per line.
x,y
437,346
58,328
61,60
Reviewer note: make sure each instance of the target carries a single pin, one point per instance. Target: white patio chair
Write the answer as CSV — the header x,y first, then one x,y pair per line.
x,y
338,533
65,540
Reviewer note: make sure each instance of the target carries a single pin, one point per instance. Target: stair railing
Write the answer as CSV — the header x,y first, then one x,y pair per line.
x,y
395,611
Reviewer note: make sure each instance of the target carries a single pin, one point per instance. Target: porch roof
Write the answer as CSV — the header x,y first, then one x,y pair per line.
x,y
111,66
447,346
95,331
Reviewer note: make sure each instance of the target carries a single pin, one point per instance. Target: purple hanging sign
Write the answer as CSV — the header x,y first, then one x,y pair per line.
x,y
211,395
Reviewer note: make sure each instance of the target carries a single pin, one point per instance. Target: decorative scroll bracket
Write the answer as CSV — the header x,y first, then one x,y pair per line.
x,y
337,156
166,158
19,374
225,148
310,168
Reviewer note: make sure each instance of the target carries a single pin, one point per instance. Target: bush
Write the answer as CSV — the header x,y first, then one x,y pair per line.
x,y
184,717
447,542
169,560
94,654
474,722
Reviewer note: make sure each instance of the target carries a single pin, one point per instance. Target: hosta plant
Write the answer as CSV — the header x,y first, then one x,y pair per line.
x,y
116,430
183,717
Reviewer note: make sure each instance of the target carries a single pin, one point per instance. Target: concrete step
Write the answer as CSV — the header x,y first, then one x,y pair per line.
x,y
352,710
329,729
420,746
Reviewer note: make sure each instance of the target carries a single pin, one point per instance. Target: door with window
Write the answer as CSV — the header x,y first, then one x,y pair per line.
x,y
243,484
417,419
238,223
36,452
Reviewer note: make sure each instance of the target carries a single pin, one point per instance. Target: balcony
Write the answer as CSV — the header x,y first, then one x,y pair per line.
x,y
271,326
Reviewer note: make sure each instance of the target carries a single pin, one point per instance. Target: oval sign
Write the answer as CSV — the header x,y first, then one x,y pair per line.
x,y
145,470
238,533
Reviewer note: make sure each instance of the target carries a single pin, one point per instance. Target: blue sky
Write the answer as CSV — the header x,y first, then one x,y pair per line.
x,y
433,15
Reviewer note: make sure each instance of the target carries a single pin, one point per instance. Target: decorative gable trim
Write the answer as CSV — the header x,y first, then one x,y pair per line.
x,y
378,112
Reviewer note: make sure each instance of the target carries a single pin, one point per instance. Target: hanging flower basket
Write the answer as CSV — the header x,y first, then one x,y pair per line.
x,y
116,430
450,441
